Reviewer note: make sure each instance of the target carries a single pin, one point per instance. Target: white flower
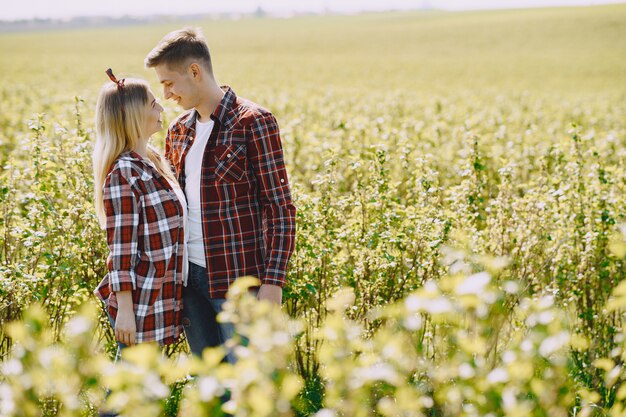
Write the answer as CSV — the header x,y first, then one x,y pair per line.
x,y
431,286
511,287
77,325
413,322
153,386
377,372
427,402
474,284
509,356
438,305
46,357
12,367
7,404
280,338
508,398
209,388
498,375
413,303
546,302
466,371
545,317
553,343
526,346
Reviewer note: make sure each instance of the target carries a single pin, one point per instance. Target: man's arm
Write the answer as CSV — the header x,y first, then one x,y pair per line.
x,y
265,154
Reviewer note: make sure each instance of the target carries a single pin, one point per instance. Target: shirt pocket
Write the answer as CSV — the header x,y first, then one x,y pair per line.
x,y
230,162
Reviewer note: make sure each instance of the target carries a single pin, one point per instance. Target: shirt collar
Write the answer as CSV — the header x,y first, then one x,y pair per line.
x,y
149,169
131,155
223,113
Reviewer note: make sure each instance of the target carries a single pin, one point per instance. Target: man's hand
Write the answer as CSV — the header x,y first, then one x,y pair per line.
x,y
125,327
271,293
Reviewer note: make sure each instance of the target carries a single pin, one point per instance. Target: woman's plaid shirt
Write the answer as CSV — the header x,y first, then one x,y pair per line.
x,y
144,227
248,219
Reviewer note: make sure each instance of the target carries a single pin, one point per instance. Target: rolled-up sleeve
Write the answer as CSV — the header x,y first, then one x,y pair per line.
x,y
121,206
266,156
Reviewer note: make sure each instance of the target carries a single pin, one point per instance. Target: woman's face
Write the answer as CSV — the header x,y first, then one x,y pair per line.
x,y
153,122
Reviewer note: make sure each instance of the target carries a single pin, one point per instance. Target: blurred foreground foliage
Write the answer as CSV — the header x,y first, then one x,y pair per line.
x,y
481,365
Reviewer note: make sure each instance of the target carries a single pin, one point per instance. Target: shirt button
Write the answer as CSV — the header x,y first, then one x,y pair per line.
x,y
228,156
282,180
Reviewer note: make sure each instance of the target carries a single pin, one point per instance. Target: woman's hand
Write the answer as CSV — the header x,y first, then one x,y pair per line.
x,y
125,327
271,293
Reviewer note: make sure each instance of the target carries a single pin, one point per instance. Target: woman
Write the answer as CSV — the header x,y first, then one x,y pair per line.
x,y
143,210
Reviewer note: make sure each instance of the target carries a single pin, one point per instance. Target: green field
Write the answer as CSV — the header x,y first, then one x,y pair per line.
x,y
576,51
460,183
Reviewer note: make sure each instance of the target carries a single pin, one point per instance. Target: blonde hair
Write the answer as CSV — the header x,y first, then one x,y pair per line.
x,y
118,130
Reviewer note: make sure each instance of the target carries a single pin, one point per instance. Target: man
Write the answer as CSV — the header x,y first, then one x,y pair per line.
x,y
229,160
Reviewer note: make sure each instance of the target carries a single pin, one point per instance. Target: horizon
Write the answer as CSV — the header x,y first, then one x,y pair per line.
x,y
70,9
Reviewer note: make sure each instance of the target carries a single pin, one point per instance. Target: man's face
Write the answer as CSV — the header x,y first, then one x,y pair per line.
x,y
178,86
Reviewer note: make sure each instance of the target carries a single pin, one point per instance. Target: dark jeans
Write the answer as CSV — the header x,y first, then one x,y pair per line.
x,y
200,315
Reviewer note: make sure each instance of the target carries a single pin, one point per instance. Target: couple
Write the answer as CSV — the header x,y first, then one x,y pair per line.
x,y
181,228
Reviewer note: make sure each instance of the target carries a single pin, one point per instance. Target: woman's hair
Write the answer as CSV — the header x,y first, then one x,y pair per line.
x,y
120,117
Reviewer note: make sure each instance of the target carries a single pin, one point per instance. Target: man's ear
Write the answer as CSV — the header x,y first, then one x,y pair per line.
x,y
194,70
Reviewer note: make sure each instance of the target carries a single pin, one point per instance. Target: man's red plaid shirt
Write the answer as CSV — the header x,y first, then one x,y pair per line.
x,y
248,219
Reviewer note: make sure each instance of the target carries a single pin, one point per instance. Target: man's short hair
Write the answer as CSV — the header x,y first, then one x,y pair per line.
x,y
178,48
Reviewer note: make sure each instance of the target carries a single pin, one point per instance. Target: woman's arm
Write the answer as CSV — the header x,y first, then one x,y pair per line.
x,y
121,207
125,327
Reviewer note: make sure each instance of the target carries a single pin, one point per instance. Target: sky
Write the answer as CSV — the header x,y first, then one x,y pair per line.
x,y
63,9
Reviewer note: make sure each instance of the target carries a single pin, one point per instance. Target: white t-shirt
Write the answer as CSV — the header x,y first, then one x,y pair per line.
x,y
193,171
183,202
